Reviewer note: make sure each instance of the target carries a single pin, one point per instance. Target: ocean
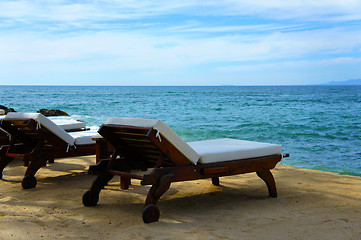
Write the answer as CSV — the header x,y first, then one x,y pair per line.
x,y
319,126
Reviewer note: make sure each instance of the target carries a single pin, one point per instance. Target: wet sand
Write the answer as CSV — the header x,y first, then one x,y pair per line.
x,y
310,205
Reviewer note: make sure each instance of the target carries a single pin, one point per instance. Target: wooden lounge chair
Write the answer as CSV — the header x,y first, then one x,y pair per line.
x,y
66,123
140,144
36,139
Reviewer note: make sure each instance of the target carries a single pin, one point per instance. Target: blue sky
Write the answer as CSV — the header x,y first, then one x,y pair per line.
x,y
238,42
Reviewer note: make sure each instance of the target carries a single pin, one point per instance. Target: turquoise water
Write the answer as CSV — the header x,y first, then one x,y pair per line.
x,y
320,126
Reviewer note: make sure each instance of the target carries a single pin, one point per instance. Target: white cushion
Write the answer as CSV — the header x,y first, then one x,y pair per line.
x,y
67,123
163,129
84,137
45,122
226,149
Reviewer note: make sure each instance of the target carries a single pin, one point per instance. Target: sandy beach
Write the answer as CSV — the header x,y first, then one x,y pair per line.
x,y
310,205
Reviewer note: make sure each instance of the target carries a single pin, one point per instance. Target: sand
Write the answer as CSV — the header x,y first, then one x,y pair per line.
x,y
310,205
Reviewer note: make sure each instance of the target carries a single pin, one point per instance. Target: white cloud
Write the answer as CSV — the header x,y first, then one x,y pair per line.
x,y
283,9
112,9
131,50
109,35
281,66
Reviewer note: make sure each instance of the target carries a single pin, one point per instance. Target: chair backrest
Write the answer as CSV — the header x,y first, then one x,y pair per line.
x,y
42,122
148,137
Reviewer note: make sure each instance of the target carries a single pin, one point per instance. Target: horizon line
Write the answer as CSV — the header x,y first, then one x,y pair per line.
x,y
226,85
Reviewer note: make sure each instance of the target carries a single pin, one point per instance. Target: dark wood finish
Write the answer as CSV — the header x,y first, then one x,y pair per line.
x,y
124,182
267,177
4,138
102,148
150,213
140,148
215,181
77,129
168,149
36,146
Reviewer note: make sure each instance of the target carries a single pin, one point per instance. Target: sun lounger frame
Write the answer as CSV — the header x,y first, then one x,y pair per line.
x,y
35,146
4,138
139,148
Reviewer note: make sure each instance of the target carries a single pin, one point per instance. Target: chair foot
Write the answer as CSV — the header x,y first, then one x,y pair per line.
x,y
89,199
29,181
151,214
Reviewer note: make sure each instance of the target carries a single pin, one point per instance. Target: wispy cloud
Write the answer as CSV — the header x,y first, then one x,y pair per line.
x,y
148,36
298,9
113,9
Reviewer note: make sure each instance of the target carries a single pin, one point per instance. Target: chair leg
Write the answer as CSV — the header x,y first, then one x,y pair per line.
x,y
99,168
158,189
124,182
267,177
4,160
51,159
151,212
36,161
215,181
91,197
100,182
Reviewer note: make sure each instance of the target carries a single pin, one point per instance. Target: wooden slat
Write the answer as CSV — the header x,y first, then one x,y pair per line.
x,y
125,134
141,141
142,146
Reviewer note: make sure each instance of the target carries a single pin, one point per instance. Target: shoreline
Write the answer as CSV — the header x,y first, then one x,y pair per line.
x,y
311,204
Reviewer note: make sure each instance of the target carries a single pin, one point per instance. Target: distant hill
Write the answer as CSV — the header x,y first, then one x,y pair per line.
x,y
348,82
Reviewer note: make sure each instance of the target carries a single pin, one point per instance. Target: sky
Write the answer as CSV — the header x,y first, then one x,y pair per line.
x,y
228,42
